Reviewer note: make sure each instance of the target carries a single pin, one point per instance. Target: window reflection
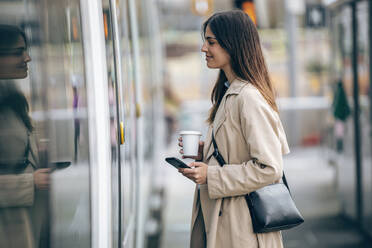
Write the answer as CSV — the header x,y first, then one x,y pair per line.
x,y
44,141
23,183
66,122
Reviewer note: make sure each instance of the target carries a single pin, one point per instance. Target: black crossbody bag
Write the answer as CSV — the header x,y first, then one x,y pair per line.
x,y
271,207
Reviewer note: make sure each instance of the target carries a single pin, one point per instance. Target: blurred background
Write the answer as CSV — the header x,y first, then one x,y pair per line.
x,y
155,83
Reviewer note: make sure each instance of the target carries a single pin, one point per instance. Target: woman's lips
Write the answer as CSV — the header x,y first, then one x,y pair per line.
x,y
208,57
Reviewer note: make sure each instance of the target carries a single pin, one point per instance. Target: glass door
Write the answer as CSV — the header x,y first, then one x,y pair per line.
x,y
122,120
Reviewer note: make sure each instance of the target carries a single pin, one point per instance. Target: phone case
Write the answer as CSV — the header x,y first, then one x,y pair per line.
x,y
176,162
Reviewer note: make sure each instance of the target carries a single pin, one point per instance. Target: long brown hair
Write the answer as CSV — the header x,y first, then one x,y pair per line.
x,y
10,96
236,33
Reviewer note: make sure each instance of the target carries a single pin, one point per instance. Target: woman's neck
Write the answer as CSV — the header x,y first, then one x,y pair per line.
x,y
230,75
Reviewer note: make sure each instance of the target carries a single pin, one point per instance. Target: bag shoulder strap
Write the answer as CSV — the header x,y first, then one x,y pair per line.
x,y
216,154
222,162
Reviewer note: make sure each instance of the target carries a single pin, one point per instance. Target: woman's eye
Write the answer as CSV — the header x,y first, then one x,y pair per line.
x,y
210,42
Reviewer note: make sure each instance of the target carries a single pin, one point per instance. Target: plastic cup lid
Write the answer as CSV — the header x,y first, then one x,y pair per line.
x,y
190,133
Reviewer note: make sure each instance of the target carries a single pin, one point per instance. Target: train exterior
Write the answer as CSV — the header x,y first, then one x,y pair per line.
x,y
95,94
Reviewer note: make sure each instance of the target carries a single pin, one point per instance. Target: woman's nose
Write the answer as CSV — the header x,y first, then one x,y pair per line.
x,y
27,58
204,48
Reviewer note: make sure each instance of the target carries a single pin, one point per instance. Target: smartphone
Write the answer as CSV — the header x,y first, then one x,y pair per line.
x,y
177,163
59,165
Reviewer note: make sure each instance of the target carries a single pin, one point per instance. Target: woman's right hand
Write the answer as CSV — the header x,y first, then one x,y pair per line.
x,y
41,178
200,150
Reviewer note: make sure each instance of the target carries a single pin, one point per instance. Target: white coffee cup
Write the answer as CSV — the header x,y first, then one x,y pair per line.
x,y
190,141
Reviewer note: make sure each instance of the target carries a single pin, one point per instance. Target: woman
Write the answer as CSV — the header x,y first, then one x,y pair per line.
x,y
245,122
21,179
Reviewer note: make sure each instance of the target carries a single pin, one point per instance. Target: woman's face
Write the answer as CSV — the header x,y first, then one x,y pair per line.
x,y
216,56
13,60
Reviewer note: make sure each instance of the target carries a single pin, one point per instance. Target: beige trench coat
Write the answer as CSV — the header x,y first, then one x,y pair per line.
x,y
22,207
251,139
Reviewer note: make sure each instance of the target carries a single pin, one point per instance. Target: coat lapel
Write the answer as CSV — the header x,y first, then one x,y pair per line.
x,y
33,151
207,145
217,123
220,117
234,89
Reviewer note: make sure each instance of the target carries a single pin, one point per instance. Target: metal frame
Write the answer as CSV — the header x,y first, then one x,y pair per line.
x,y
129,118
370,56
118,88
356,116
99,126
370,73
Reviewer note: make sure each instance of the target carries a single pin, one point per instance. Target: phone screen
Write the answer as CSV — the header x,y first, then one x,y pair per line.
x,y
176,162
59,165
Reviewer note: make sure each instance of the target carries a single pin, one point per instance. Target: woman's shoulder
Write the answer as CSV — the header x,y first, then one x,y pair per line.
x,y
250,97
250,90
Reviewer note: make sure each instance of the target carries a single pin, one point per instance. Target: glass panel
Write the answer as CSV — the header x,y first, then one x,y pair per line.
x,y
345,130
122,112
56,94
149,121
126,97
114,118
68,137
147,79
23,197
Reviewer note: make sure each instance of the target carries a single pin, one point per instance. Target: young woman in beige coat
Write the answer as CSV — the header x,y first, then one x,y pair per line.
x,y
249,134
23,198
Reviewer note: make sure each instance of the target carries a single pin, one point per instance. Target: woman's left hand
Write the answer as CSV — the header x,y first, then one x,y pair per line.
x,y
198,173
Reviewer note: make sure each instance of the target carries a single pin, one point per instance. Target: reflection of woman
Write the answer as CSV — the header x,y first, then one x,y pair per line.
x,y
248,133
20,220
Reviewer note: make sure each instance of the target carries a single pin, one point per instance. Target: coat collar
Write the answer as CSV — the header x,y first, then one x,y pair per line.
x,y
236,86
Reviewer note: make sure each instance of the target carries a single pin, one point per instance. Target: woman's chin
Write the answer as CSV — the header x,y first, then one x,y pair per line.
x,y
211,66
13,75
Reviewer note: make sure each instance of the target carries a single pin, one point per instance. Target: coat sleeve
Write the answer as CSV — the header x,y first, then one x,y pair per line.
x,y
261,130
17,190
